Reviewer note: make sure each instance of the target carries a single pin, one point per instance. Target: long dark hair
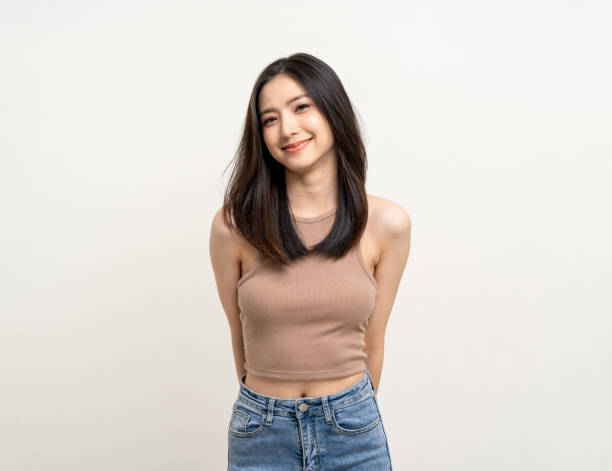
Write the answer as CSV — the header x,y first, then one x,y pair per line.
x,y
255,202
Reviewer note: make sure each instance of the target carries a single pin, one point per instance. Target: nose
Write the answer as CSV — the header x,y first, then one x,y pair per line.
x,y
289,126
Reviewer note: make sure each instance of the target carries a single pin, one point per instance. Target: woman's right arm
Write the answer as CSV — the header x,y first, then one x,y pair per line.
x,y
225,247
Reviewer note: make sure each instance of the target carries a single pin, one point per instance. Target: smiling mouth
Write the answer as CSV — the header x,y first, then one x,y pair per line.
x,y
297,146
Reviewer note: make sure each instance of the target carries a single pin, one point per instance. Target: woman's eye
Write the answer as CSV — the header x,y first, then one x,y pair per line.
x,y
299,107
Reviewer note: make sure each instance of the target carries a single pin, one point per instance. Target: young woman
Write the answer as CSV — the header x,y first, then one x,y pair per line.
x,y
307,266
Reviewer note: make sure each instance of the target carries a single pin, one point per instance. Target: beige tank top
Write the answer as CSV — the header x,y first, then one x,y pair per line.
x,y
307,320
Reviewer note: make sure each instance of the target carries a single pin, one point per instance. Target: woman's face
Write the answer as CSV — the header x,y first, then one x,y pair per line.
x,y
288,116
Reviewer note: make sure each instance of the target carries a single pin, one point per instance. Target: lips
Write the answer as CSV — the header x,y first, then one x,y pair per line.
x,y
296,145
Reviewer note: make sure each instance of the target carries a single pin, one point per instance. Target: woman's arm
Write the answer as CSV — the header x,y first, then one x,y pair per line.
x,y
392,229
225,249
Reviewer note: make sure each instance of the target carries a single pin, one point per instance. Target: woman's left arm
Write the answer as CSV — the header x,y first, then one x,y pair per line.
x,y
392,228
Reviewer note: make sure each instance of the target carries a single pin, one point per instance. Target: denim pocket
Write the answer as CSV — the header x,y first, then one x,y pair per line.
x,y
245,421
357,417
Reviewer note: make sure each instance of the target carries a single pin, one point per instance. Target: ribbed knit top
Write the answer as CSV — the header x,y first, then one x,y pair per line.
x,y
307,320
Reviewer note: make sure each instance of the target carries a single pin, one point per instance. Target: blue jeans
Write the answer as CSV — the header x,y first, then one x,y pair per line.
x,y
341,431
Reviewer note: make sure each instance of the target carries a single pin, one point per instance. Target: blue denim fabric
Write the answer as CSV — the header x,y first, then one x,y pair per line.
x,y
340,431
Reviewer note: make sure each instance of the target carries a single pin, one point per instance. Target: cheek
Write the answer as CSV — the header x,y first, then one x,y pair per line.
x,y
322,130
268,139
271,143
315,123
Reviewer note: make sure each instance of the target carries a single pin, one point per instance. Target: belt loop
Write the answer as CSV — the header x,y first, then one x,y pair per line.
x,y
241,383
326,411
270,413
371,381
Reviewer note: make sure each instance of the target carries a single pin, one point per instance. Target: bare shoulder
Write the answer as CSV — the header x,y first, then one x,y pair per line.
x,y
220,226
389,219
223,237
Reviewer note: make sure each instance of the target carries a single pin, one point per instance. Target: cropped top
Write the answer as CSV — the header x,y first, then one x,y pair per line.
x,y
307,320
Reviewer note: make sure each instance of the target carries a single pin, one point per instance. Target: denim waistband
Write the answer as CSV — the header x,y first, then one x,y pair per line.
x,y
314,405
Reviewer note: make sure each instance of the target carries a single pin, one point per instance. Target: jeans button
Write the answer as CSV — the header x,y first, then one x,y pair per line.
x,y
303,407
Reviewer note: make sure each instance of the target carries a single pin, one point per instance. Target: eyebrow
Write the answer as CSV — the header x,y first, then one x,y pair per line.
x,y
268,110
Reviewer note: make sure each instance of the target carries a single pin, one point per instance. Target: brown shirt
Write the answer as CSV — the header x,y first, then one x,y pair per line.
x,y
308,320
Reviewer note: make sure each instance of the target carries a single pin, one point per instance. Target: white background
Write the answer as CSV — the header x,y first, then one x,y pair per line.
x,y
489,122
